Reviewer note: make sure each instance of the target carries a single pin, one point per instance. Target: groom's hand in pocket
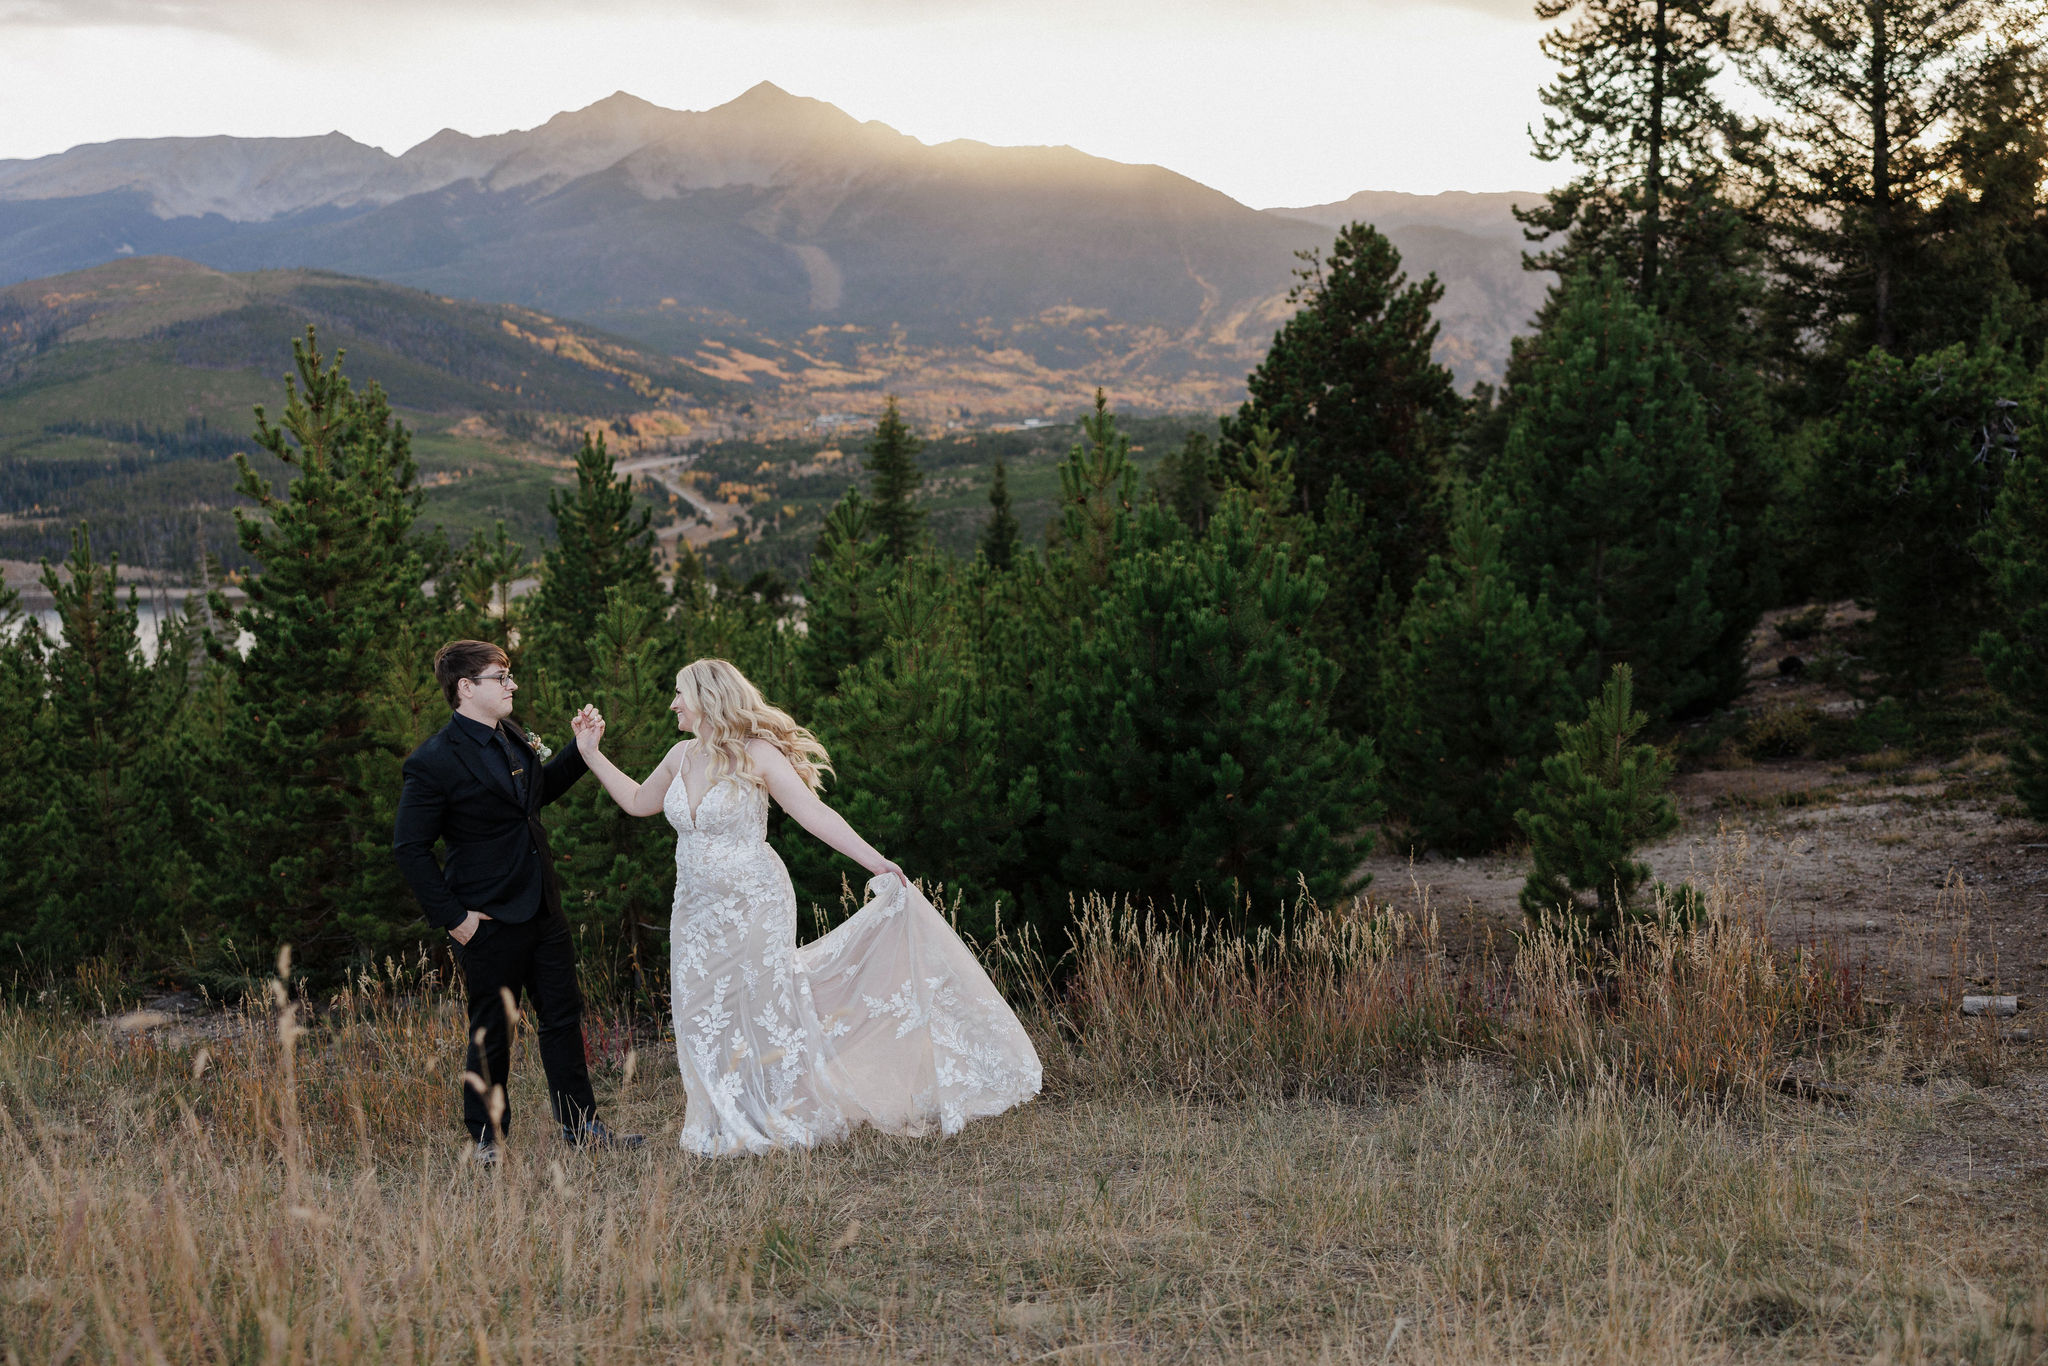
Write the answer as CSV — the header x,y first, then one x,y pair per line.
x,y
461,933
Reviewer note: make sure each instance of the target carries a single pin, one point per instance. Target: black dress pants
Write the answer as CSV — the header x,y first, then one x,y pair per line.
x,y
535,959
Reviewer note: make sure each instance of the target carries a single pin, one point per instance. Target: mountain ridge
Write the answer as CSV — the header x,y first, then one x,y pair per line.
x,y
772,214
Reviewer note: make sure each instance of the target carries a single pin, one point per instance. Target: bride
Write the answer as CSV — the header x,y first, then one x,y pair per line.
x,y
888,1020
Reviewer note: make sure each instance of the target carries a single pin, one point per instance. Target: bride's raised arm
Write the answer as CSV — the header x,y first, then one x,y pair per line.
x,y
635,799
807,809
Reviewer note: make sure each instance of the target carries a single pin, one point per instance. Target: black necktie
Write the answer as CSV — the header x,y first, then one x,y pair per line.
x,y
515,764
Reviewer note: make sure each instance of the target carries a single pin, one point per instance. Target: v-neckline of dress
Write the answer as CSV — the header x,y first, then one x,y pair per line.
x,y
682,776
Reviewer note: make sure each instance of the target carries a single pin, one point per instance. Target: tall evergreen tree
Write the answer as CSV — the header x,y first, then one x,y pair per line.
x,y
2014,551
1919,452
1635,110
603,539
626,880
923,761
1612,488
999,536
1475,679
1098,485
25,778
1853,155
1189,480
1602,796
108,866
1194,760
1989,267
843,592
1349,386
309,776
892,463
479,587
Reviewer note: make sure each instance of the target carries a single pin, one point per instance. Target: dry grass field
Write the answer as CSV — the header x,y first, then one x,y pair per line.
x,y
1334,1146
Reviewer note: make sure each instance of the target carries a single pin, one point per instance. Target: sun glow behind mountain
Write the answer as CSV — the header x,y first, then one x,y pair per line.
x,y
1292,103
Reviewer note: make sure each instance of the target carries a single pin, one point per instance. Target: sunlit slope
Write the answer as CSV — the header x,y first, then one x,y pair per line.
x,y
125,389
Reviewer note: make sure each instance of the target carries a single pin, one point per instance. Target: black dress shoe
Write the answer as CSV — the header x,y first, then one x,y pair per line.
x,y
595,1133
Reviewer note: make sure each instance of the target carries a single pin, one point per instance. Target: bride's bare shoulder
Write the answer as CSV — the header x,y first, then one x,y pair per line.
x,y
770,764
767,756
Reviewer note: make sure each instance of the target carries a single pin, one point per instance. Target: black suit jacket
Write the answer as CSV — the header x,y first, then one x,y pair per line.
x,y
498,856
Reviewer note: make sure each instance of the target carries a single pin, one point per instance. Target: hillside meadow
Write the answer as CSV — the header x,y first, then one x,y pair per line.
x,y
1329,1145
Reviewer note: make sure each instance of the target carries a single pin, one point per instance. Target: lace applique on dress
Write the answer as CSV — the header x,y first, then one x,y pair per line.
x,y
888,1020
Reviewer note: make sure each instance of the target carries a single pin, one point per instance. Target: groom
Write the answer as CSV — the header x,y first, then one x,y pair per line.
x,y
476,785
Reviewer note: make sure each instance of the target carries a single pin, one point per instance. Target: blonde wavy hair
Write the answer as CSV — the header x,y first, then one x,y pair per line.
x,y
731,711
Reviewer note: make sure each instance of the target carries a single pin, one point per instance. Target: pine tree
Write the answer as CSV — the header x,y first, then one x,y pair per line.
x,y
1194,760
892,462
1601,797
1612,493
1987,277
924,759
999,536
1854,156
1919,451
1350,387
1634,108
603,539
25,778
2014,550
309,775
843,592
106,860
1475,680
1098,483
621,883
1347,626
480,579
1189,480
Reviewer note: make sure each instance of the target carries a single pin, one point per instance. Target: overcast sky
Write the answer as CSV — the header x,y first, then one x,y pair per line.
x,y
1277,102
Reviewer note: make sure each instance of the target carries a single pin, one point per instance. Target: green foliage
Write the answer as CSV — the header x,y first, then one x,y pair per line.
x,y
478,591
309,778
1919,451
1475,679
603,540
999,537
1189,480
1602,796
1194,760
1350,387
1611,488
25,776
2013,548
103,854
1855,152
843,609
1634,108
1097,485
618,879
892,463
924,739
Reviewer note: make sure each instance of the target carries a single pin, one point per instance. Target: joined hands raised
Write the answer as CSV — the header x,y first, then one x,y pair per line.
x,y
588,725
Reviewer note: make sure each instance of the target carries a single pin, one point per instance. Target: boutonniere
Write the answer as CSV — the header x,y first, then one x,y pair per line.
x,y
539,746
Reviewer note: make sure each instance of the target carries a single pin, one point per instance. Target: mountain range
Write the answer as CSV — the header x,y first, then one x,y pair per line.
x,y
776,241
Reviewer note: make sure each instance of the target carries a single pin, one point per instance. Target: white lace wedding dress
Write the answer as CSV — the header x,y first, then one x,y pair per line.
x,y
888,1020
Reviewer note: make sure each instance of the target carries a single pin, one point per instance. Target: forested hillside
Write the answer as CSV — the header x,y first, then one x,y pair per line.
x,y
126,389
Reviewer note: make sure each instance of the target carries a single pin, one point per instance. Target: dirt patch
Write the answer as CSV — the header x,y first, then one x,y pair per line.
x,y
1917,870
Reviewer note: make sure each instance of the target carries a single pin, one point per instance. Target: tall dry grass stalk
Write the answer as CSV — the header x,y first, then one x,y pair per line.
x,y
1338,1001
1330,1004
1219,1174
1696,1005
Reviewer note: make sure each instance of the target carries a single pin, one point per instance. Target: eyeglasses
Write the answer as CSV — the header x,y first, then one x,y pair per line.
x,y
504,678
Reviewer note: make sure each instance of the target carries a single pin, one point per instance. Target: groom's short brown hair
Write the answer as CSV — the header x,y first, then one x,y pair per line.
x,y
460,659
